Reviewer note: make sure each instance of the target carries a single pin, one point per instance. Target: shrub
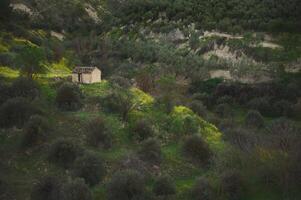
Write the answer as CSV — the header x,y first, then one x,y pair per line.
x,y
225,124
7,58
25,87
4,92
76,190
47,188
254,119
190,125
202,190
126,185
244,139
142,130
150,151
208,100
119,81
15,112
207,86
89,167
164,186
69,97
226,89
195,148
98,133
232,185
199,108
283,133
223,110
63,152
133,162
262,104
35,130
120,102
296,108
30,58
282,108
225,100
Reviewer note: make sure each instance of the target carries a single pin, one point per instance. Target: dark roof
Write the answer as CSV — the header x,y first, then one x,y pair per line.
x,y
84,70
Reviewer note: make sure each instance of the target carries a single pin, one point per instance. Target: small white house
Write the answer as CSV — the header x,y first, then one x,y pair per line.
x,y
86,75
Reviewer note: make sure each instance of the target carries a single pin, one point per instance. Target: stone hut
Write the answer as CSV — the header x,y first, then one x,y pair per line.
x,y
86,75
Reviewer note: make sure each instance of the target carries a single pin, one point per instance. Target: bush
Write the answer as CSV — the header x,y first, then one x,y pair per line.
x,y
226,89
284,133
126,185
195,148
254,119
120,102
35,131
226,124
119,81
69,97
76,190
150,151
15,112
282,108
261,104
232,185
47,188
207,86
4,92
297,108
164,186
223,110
98,133
190,125
63,152
241,138
89,167
25,87
7,58
142,130
133,162
202,190
199,108
225,100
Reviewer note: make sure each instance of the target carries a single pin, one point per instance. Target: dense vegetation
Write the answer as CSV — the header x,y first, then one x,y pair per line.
x,y
160,125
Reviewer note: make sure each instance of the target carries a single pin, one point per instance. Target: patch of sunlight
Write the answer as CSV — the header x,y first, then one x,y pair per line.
x,y
3,47
59,69
210,133
40,33
8,72
21,41
141,97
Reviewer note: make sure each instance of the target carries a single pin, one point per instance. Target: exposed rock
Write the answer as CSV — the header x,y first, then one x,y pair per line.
x,y
214,33
57,35
21,7
225,74
92,12
173,36
176,35
270,45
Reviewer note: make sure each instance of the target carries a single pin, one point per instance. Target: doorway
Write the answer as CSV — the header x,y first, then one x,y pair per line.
x,y
79,78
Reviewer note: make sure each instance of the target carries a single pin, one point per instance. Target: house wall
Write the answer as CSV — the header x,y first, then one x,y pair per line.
x,y
75,78
96,76
86,78
93,77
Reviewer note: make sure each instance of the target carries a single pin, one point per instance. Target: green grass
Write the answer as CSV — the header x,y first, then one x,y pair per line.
x,y
25,167
96,89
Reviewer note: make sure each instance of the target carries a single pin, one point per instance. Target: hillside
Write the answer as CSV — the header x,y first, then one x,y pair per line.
x,y
199,100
